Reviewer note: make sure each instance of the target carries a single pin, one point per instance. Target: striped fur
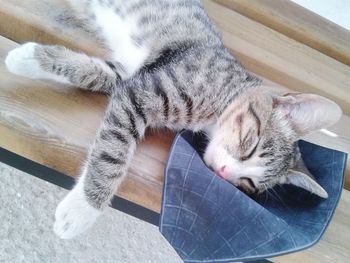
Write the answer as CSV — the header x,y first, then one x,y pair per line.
x,y
167,67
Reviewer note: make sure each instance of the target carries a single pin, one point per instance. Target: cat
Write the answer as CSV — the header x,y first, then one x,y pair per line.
x,y
168,67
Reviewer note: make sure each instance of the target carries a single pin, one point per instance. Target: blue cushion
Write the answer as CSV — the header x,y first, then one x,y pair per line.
x,y
207,219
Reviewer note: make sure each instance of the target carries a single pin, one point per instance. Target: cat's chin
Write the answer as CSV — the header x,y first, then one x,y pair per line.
x,y
247,186
244,184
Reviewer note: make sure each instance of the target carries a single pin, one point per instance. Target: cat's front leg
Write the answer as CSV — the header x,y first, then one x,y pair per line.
x,y
24,61
62,65
74,215
105,168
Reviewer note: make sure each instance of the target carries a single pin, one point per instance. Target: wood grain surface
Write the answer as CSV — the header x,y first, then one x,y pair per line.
x,y
298,23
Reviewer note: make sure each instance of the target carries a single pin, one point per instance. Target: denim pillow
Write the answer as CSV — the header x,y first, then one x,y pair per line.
x,y
207,219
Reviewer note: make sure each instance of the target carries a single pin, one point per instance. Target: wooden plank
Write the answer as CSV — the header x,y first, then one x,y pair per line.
x,y
298,23
259,48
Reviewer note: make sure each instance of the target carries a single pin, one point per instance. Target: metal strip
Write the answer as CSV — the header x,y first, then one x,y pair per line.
x,y
67,182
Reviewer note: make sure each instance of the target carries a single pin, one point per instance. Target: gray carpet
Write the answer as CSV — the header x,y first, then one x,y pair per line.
x,y
27,214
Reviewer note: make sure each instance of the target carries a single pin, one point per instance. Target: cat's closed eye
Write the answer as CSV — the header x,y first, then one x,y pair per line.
x,y
250,154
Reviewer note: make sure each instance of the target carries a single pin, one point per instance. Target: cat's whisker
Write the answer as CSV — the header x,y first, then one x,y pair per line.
x,y
280,199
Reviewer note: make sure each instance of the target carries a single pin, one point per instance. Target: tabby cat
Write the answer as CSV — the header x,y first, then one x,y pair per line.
x,y
168,67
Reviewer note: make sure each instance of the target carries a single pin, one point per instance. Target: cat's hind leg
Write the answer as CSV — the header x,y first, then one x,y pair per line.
x,y
62,65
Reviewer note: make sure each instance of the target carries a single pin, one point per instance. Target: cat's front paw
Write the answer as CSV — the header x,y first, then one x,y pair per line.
x,y
21,61
74,215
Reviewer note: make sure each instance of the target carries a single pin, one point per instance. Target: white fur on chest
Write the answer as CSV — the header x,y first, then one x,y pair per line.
x,y
118,33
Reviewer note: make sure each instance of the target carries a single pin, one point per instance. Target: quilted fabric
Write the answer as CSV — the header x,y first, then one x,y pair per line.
x,y
206,219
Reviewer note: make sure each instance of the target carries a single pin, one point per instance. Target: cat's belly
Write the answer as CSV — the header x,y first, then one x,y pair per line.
x,y
119,33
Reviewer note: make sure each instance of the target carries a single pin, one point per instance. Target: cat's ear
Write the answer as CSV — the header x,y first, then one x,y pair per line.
x,y
306,182
307,112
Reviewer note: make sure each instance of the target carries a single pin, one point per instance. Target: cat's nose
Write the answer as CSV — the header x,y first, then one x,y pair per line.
x,y
221,172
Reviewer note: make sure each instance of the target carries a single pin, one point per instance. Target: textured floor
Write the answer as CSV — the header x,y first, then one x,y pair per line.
x,y
26,217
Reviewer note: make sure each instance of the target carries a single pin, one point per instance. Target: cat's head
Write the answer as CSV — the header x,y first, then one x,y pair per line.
x,y
253,143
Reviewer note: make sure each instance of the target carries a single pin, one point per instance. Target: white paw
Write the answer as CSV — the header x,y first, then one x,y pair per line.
x,y
74,215
21,61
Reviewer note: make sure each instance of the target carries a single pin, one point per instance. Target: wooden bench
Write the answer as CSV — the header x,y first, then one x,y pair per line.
x,y
298,23
54,125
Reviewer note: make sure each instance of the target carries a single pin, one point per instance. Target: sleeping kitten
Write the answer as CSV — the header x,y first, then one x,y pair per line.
x,y
168,67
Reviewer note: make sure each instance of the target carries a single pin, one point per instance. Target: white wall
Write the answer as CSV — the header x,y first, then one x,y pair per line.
x,y
338,11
